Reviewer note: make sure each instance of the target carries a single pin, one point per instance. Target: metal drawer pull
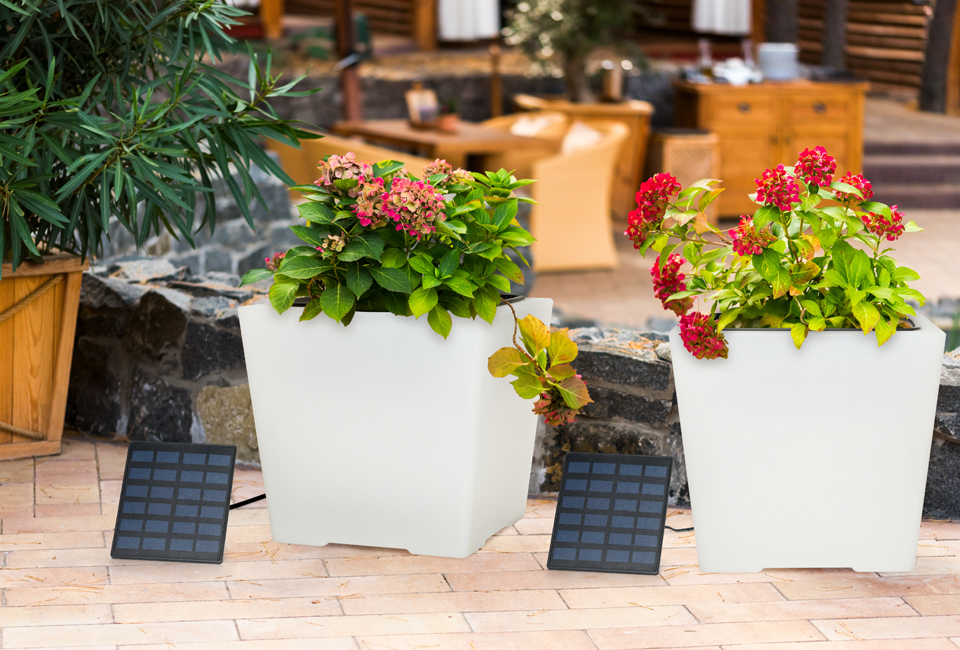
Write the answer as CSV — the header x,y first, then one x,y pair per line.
x,y
819,108
743,107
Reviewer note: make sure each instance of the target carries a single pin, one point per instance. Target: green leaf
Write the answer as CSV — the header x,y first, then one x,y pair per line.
x,y
506,361
574,392
430,281
316,212
422,300
903,274
858,269
536,336
461,285
509,269
562,371
504,214
798,332
391,279
811,307
393,258
499,282
312,310
358,280
885,328
422,263
527,385
303,267
282,295
373,243
817,324
255,275
396,303
485,303
867,315
449,263
765,215
440,321
561,349
386,167
883,293
310,235
907,293
727,317
337,300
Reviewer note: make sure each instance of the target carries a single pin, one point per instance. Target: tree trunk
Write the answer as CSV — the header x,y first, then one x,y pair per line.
x,y
782,21
349,76
575,77
936,59
835,35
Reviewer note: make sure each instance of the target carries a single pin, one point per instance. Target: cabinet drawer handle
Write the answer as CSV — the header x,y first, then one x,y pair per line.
x,y
819,108
774,139
743,107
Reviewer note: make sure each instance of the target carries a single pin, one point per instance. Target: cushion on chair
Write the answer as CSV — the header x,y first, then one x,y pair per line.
x,y
579,137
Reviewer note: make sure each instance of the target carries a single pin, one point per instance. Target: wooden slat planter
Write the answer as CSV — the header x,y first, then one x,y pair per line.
x,y
36,348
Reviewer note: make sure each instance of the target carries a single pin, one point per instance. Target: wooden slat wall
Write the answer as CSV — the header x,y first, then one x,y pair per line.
x,y
885,39
383,16
671,15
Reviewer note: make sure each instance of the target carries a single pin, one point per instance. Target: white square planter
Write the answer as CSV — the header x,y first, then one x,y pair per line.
x,y
809,458
382,433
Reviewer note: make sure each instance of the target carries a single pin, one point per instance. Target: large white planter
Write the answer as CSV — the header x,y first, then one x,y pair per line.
x,y
384,434
809,458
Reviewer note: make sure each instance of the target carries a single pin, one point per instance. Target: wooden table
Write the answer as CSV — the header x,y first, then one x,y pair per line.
x,y
470,139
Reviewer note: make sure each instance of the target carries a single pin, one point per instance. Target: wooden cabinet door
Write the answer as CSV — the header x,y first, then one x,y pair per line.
x,y
828,120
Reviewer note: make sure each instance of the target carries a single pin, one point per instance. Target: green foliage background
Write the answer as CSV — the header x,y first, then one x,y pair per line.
x,y
113,108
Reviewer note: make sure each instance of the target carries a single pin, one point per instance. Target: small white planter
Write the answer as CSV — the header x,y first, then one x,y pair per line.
x,y
382,433
809,458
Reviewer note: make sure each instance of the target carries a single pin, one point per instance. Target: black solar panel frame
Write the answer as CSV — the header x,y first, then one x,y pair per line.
x,y
181,449
652,568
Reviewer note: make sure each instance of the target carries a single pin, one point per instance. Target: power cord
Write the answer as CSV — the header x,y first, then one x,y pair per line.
x,y
240,504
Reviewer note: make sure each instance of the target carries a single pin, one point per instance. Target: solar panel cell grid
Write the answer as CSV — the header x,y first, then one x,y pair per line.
x,y
161,519
597,530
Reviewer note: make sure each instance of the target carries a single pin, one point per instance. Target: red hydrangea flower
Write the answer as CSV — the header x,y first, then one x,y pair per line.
x,y
667,281
777,188
652,199
369,203
881,226
816,166
747,240
274,262
700,337
859,182
554,410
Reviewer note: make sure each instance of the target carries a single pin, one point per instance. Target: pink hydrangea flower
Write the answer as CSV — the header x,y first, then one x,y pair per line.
x,y
414,206
274,262
859,182
816,167
344,167
652,200
881,226
370,203
554,410
332,244
778,188
701,338
438,166
667,280
747,240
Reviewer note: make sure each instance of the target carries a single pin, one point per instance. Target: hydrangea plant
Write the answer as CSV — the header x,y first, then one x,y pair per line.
x,y
813,256
376,238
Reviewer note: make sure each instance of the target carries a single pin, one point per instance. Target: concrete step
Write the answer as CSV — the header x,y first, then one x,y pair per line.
x,y
941,196
951,148
909,169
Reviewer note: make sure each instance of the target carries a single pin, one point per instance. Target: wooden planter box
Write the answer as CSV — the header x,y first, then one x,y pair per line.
x,y
36,348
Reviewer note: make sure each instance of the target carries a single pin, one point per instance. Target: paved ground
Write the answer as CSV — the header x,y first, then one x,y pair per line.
x,y
61,589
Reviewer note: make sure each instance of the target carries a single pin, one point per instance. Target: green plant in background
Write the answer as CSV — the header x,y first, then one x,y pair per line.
x,y
797,263
114,109
378,239
561,34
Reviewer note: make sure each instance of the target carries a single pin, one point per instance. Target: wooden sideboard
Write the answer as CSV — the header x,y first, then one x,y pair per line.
x,y
766,124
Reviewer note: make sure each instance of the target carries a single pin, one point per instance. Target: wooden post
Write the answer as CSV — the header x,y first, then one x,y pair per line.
x,y
496,83
937,57
271,15
953,73
349,76
425,24
835,35
782,25
758,21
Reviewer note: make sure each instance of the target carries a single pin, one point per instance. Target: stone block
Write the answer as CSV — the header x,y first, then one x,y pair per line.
x,y
281,237
948,400
221,278
942,498
189,260
252,259
217,259
105,305
638,369
159,411
235,235
612,404
145,269
157,323
227,418
93,401
208,349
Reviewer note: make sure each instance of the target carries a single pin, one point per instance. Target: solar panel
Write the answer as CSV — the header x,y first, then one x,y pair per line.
x,y
174,502
610,513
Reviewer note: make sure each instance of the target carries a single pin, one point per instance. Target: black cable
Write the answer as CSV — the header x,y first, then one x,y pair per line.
x,y
248,501
676,530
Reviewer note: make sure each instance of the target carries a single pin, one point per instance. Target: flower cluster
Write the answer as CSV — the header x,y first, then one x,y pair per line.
x,y
438,166
369,203
701,338
881,226
274,262
332,244
747,240
859,182
553,409
778,188
667,280
345,168
816,166
652,200
414,206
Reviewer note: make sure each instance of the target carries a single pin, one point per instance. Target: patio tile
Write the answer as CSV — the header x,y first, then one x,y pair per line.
x,y
935,605
424,564
521,580
73,557
16,471
17,542
212,610
16,497
869,587
577,619
886,644
48,524
463,601
932,566
111,461
551,640
69,509
110,496
239,552
356,587
107,594
800,609
540,526
72,448
940,530
71,635
54,615
247,516
692,636
57,577
248,534
518,544
343,643
288,628
691,575
663,595
184,572
889,628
